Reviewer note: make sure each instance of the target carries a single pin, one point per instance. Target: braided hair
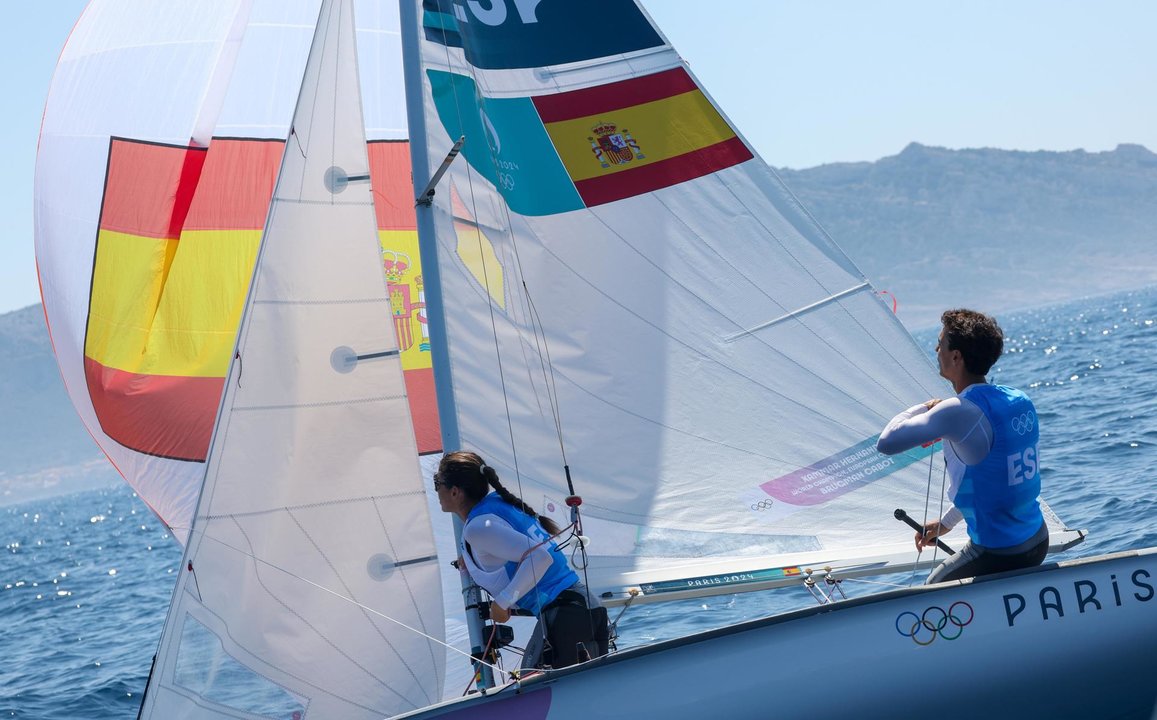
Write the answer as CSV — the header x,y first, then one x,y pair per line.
x,y
468,472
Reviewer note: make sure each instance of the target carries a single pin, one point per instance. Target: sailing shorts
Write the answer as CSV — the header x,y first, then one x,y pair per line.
x,y
574,632
975,560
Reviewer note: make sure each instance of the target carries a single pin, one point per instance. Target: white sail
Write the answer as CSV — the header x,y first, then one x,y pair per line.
x,y
147,227
629,289
311,566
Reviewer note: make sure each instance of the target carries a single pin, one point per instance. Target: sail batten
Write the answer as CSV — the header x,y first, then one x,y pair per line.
x,y
797,313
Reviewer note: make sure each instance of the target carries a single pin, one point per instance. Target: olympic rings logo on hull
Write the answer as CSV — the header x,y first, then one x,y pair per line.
x,y
935,622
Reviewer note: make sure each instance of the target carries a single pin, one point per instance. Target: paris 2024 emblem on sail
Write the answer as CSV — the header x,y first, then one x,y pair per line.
x,y
612,147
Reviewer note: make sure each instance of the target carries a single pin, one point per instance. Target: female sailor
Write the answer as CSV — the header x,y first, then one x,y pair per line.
x,y
510,552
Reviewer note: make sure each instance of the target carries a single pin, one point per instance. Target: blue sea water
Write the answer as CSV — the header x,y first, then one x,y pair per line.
x,y
85,579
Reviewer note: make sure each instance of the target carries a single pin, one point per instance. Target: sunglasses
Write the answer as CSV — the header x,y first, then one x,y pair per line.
x,y
439,484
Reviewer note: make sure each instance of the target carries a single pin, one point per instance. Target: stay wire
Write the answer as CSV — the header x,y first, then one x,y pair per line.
x,y
535,321
351,601
928,502
537,329
450,64
484,653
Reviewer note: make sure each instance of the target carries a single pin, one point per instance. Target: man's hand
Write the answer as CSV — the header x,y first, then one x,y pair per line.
x,y
932,531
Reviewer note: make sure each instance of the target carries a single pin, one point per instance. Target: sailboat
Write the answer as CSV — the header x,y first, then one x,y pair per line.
x,y
619,304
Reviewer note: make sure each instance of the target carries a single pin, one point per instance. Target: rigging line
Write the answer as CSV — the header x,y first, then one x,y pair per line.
x,y
489,295
943,482
345,588
874,582
319,633
481,254
928,497
299,678
551,387
484,653
405,577
228,633
927,501
486,275
349,600
535,319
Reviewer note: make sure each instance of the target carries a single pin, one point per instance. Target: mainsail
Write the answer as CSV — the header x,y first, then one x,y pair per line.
x,y
630,290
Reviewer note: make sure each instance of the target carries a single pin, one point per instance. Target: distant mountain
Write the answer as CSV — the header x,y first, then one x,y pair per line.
x,y
44,448
938,228
990,229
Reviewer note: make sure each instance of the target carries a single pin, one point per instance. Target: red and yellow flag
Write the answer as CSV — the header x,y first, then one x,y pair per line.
x,y
178,236
627,138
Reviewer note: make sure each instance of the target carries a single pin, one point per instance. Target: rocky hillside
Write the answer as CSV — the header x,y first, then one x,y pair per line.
x,y
44,448
991,229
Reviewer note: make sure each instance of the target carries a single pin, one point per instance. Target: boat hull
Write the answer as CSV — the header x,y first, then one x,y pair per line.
x,y
1076,639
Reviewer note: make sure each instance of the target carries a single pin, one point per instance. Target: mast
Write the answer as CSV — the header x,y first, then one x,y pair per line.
x,y
435,316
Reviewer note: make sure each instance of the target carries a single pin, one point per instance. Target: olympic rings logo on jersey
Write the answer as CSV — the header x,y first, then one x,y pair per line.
x,y
934,621
1023,423
765,504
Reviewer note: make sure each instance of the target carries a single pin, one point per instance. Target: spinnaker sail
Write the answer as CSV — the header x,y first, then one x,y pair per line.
x,y
162,137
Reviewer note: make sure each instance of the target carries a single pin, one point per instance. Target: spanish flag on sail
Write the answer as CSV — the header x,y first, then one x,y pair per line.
x,y
175,248
178,236
560,152
638,135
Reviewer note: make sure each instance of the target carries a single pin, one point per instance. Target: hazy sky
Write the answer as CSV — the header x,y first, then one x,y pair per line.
x,y
807,82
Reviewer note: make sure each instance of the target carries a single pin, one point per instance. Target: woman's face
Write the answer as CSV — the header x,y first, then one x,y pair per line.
x,y
444,494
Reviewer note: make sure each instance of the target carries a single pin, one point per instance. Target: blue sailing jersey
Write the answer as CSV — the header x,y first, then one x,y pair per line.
x,y
998,496
558,577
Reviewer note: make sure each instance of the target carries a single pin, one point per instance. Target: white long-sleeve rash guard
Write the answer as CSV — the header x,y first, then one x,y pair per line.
x,y
963,426
493,543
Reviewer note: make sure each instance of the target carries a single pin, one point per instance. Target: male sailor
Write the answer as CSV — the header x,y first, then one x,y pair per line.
x,y
991,435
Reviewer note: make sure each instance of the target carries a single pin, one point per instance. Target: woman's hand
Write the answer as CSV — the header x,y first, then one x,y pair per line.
x,y
497,613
